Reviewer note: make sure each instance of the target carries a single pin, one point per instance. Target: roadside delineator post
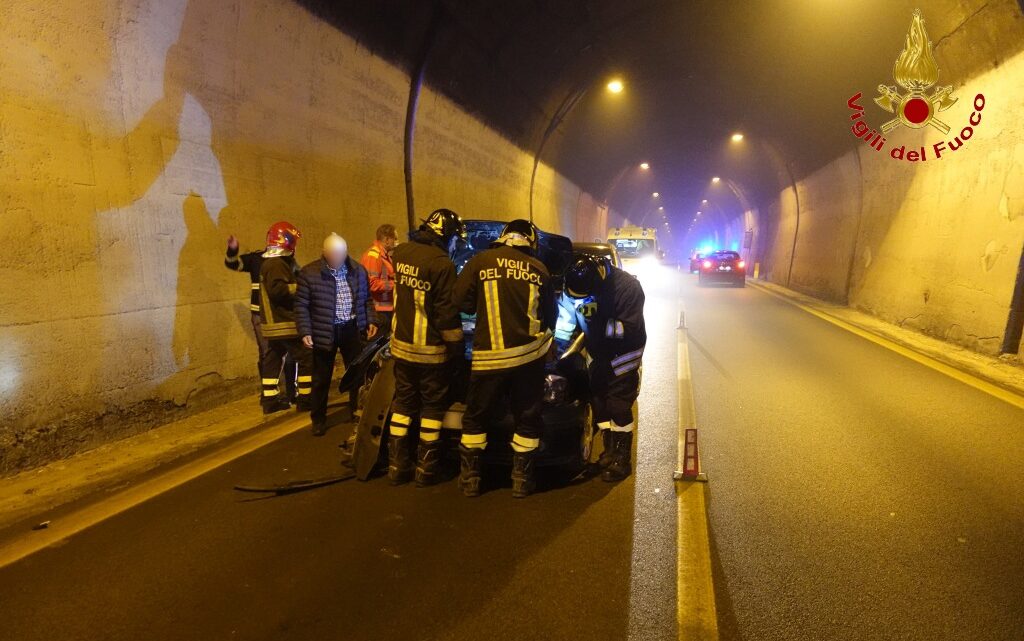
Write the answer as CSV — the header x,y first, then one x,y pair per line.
x,y
691,460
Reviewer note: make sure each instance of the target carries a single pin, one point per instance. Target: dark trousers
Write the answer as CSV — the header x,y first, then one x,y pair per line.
x,y
612,396
346,340
522,387
420,390
285,368
278,350
384,321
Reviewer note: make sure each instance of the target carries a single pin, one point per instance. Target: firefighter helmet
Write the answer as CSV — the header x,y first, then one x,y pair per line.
x,y
283,235
519,233
584,277
446,224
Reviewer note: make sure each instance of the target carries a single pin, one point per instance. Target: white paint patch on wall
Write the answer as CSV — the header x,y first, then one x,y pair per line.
x,y
145,32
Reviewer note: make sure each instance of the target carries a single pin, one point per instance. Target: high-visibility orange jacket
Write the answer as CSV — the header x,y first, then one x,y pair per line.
x,y
381,271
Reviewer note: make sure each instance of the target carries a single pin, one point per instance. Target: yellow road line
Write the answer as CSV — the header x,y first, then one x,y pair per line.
x,y
697,618
981,384
90,515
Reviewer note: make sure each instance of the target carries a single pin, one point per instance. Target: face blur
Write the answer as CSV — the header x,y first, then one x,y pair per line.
x,y
335,251
389,242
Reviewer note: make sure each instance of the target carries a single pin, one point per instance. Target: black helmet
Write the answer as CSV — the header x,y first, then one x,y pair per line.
x,y
519,233
446,224
584,277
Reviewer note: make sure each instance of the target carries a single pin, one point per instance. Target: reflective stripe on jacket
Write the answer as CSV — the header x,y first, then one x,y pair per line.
x,y
381,271
425,317
612,320
510,293
277,295
249,263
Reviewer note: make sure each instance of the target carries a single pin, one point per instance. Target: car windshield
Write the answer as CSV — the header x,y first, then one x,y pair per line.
x,y
724,255
633,247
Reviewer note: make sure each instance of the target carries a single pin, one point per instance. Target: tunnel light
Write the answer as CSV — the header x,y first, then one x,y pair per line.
x,y
704,202
655,195
699,213
616,86
645,166
661,208
715,179
737,137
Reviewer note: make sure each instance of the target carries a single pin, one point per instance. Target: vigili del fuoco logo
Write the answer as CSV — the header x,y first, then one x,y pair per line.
x,y
918,105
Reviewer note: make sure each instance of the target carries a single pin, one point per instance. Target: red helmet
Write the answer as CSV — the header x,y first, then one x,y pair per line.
x,y
283,235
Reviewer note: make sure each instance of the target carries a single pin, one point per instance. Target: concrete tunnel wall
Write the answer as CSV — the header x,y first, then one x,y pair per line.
x,y
932,246
138,134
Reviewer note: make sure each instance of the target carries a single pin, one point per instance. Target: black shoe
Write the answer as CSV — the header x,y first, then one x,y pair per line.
x,y
608,452
622,455
400,467
303,405
319,429
428,460
523,482
469,470
277,405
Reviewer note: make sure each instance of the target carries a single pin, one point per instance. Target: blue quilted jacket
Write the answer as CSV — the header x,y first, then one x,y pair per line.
x,y
315,301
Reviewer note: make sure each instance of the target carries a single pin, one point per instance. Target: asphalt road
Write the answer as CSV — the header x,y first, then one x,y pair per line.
x,y
358,561
854,494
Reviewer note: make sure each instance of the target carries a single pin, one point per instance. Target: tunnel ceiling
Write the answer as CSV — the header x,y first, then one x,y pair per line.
x,y
780,71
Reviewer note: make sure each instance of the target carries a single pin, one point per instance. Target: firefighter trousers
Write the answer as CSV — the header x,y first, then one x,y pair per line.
x,y
612,397
420,390
519,389
277,351
285,369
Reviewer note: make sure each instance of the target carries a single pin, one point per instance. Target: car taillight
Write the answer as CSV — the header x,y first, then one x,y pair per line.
x,y
707,264
741,264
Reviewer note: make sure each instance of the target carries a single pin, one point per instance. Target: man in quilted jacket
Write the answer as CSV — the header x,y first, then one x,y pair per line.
x,y
334,312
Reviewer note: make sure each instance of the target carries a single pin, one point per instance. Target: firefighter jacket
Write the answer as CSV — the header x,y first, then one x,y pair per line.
x,y
381,270
510,292
249,263
425,319
612,320
278,283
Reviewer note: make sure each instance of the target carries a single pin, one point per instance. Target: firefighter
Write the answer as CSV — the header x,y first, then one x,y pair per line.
x,y
607,305
250,263
510,292
278,282
427,334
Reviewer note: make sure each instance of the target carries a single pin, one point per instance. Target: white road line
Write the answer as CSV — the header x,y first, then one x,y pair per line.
x,y
89,515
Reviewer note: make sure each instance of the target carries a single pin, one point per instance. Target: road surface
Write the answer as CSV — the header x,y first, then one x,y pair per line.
x,y
854,494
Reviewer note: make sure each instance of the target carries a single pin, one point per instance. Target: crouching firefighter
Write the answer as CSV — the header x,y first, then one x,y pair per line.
x,y
607,304
510,292
278,282
426,334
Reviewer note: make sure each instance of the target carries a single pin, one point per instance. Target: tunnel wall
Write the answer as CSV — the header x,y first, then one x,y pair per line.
x,y
138,134
932,246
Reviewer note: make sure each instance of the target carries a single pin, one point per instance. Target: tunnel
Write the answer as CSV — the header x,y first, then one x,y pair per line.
x,y
857,165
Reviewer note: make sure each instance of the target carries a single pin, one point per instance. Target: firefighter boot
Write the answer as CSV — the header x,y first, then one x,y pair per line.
x,y
622,454
469,470
428,460
523,482
608,453
400,467
276,405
